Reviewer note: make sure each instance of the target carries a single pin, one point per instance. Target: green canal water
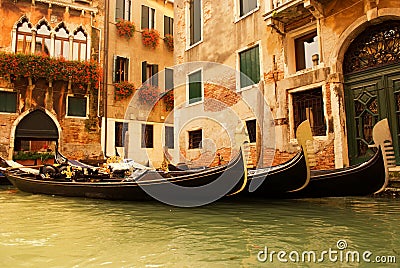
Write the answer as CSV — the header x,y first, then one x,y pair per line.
x,y
48,231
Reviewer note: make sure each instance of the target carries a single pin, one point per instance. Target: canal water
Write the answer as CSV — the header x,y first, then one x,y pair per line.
x,y
50,231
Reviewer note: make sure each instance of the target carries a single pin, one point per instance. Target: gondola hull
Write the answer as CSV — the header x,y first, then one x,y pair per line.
x,y
360,180
274,181
137,190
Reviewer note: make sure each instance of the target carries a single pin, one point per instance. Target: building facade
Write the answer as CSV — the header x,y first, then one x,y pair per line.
x,y
138,50
335,63
50,77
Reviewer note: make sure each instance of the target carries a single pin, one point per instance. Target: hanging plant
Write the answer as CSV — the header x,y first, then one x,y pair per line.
x,y
125,28
150,38
123,90
81,73
148,94
169,42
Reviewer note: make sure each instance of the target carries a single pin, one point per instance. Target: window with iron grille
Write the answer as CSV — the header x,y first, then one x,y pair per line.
x,y
147,136
169,137
308,105
77,106
251,126
249,67
195,138
168,25
195,21
148,15
123,10
8,102
121,69
305,47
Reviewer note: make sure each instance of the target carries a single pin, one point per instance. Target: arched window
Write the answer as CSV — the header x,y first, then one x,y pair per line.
x,y
61,48
24,37
43,40
80,45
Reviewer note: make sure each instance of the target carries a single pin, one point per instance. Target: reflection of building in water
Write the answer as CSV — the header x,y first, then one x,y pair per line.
x,y
45,98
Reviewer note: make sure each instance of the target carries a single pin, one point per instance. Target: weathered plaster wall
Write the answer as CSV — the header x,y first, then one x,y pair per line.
x,y
79,138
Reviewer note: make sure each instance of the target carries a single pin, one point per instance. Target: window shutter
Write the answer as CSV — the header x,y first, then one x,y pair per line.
x,y
144,71
197,21
119,9
152,15
126,69
127,10
169,79
145,17
166,25
114,74
154,79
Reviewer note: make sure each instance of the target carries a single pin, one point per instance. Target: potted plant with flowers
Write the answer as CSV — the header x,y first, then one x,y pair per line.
x,y
125,28
169,42
123,90
150,38
148,94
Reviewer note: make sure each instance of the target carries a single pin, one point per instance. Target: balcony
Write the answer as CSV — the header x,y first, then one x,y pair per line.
x,y
285,15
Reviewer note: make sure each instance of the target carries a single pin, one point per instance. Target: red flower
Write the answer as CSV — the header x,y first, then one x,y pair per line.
x,y
125,28
150,38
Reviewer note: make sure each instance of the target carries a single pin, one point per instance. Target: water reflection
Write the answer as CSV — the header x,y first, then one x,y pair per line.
x,y
46,231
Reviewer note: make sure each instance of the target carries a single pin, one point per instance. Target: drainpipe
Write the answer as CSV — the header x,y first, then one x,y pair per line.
x,y
105,71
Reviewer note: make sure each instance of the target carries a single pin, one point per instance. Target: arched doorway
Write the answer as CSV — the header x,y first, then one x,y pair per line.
x,y
36,131
372,87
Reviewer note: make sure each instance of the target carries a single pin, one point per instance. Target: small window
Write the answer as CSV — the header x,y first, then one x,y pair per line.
x,y
77,106
169,137
251,126
148,15
249,67
195,21
305,47
168,26
121,67
150,71
246,6
147,136
309,105
195,138
120,131
8,102
123,10
195,87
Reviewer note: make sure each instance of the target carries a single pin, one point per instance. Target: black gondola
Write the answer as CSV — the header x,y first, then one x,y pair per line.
x,y
133,188
368,178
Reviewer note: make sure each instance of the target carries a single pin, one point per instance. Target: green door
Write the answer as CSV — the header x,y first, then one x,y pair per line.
x,y
371,96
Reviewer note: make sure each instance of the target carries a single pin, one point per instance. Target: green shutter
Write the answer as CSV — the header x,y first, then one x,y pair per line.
x,y
77,106
197,21
249,67
195,87
8,102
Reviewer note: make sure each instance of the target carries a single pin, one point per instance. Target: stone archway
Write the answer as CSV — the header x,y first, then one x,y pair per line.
x,y
372,87
34,125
